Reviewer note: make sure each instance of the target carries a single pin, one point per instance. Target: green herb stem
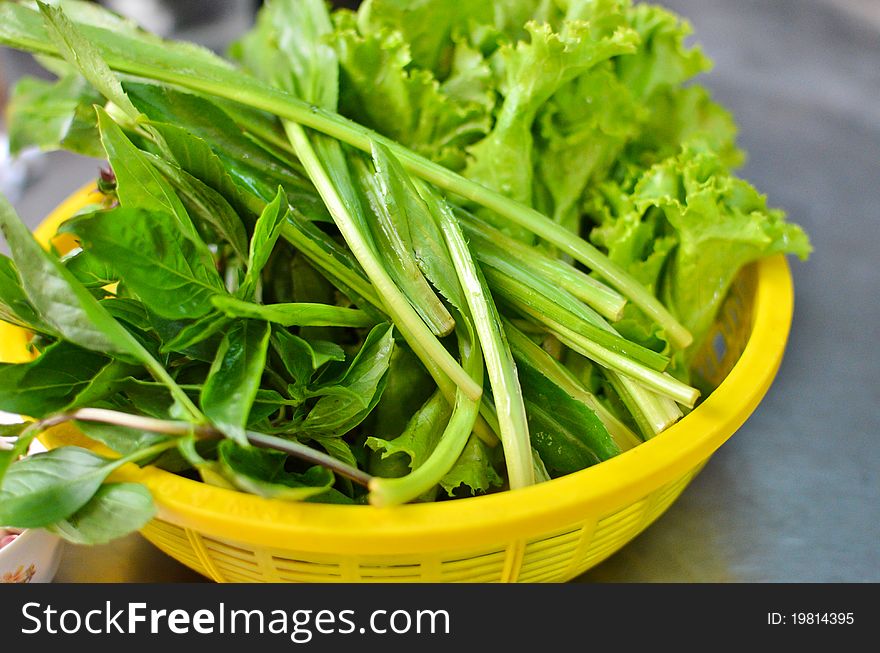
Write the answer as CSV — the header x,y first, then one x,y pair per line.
x,y
506,391
395,491
661,383
548,304
606,301
183,429
432,353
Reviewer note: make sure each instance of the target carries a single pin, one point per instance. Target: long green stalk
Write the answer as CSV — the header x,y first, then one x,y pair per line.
x,y
485,238
663,384
430,351
545,302
509,404
394,491
652,413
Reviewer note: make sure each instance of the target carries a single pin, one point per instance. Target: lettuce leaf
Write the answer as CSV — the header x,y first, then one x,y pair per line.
x,y
687,227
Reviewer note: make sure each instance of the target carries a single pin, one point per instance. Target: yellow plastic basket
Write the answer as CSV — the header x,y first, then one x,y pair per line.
x,y
545,533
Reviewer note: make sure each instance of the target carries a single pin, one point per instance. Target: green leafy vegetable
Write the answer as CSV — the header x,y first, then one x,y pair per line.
x,y
499,274
234,379
115,510
262,472
52,115
163,267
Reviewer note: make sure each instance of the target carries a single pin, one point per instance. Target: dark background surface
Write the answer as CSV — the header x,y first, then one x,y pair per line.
x,y
795,495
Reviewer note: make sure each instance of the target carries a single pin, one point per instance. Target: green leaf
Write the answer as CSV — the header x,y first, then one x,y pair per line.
x,y
120,439
14,305
662,59
718,223
408,385
140,186
421,435
209,145
162,267
266,234
566,433
204,329
48,487
103,385
389,222
235,376
261,472
116,510
381,89
62,302
196,156
91,271
425,25
533,72
413,219
363,382
473,470
128,310
206,205
582,130
300,314
287,48
302,358
53,115
79,52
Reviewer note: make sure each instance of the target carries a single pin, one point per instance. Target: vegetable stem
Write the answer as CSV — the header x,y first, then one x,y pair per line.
x,y
432,353
204,431
661,383
394,491
509,405
606,301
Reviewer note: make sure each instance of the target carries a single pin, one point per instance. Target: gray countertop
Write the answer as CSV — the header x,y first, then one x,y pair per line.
x,y
795,495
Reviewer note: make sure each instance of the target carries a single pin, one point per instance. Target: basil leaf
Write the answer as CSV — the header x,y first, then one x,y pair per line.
x,y
128,310
48,487
235,376
261,472
14,305
162,267
91,271
253,171
362,385
266,234
302,358
61,301
140,186
205,204
103,385
116,510
120,439
196,333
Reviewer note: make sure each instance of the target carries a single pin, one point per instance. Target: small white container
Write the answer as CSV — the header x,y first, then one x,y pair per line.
x,y
32,557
